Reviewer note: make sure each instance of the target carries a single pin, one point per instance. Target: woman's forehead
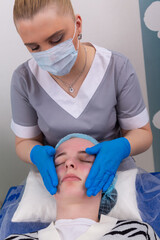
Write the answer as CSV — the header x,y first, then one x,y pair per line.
x,y
50,21
75,144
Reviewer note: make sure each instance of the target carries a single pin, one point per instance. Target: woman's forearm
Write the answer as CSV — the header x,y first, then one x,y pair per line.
x,y
24,147
140,139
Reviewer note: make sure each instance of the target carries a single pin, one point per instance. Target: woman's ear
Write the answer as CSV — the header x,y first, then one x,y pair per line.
x,y
78,20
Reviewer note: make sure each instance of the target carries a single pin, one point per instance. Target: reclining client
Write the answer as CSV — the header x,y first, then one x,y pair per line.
x,y
79,216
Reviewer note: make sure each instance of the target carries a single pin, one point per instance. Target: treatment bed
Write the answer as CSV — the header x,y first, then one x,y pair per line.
x,y
17,197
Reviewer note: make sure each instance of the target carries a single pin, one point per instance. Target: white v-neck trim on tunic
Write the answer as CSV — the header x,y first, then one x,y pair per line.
x,y
94,232
74,106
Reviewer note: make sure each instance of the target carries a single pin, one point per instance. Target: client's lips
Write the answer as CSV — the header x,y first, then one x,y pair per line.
x,y
70,177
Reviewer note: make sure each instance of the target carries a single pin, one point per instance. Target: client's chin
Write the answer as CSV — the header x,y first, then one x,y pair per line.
x,y
71,190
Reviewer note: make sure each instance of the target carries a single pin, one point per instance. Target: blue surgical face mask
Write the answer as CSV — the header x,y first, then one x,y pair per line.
x,y
59,59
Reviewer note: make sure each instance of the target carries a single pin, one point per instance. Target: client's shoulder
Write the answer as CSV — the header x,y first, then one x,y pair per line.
x,y
27,236
132,229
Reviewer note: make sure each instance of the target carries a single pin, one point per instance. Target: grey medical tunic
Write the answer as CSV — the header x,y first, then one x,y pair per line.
x,y
109,99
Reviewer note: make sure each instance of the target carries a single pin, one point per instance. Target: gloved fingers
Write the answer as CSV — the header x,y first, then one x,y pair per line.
x,y
92,190
96,182
92,175
53,175
102,183
108,183
93,150
96,168
39,154
48,184
50,150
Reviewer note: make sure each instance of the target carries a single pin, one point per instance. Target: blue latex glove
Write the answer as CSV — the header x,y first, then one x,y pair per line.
x,y
43,158
109,155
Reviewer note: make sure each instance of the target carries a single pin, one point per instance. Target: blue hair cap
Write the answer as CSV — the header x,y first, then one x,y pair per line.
x,y
76,135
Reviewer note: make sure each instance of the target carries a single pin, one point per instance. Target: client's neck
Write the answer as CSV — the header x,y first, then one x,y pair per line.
x,y
83,208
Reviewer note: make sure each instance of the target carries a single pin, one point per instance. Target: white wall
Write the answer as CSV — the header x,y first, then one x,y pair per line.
x,y
114,24
12,52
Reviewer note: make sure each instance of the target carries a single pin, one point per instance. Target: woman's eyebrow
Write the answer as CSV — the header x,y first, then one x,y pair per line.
x,y
55,34
65,153
60,154
82,151
30,44
50,37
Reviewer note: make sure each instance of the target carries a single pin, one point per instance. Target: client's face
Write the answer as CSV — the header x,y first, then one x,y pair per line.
x,y
73,165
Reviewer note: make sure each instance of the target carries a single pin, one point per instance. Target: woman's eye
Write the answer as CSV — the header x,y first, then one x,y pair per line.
x,y
35,48
58,164
57,39
85,161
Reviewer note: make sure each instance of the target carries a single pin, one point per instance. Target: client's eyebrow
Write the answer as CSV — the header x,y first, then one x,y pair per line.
x,y
60,154
64,153
82,152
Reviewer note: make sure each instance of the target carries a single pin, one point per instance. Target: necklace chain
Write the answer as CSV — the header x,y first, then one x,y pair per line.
x,y
70,86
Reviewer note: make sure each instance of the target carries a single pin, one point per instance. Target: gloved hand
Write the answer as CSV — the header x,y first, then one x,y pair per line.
x,y
43,158
109,155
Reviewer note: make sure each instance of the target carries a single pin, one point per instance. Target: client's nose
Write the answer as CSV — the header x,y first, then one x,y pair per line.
x,y
70,163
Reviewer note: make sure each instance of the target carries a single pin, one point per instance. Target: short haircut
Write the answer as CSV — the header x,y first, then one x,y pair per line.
x,y
27,9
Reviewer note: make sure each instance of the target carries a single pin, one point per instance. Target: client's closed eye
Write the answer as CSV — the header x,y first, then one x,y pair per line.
x,y
60,161
86,161
59,164
84,157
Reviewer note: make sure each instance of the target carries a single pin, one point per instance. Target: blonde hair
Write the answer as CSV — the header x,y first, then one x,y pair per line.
x,y
26,9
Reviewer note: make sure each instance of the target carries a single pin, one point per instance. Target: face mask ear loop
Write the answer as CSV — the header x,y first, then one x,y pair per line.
x,y
74,36
74,31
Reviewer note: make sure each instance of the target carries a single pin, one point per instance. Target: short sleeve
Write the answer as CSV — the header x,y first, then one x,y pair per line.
x,y
24,117
131,110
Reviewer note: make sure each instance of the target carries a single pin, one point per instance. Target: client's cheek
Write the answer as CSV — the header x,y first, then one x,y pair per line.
x,y
60,175
86,173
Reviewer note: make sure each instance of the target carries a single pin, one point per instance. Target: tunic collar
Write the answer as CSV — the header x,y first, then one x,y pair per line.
x,y
95,232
